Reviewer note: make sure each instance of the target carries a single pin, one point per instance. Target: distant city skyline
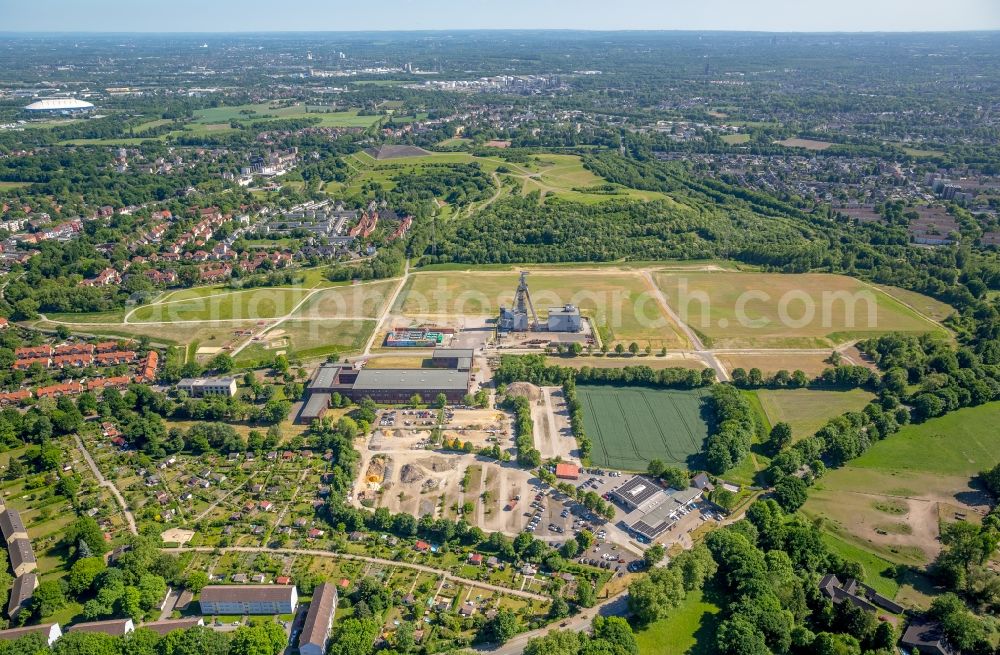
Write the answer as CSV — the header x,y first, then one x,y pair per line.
x,y
334,15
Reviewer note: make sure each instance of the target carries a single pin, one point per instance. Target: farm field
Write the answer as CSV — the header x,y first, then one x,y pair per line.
x,y
619,302
807,410
251,304
812,364
773,310
672,360
689,630
631,426
891,500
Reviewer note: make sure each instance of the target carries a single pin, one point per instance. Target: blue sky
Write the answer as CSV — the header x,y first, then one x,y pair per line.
x,y
333,15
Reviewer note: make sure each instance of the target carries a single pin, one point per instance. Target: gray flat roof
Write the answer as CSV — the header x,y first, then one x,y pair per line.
x,y
651,523
638,490
315,405
188,382
326,375
460,353
411,379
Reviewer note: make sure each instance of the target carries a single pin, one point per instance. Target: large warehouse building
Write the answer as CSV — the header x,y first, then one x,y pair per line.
x,y
450,375
59,106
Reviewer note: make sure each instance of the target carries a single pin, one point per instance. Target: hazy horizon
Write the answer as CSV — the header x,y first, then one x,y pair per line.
x,y
260,16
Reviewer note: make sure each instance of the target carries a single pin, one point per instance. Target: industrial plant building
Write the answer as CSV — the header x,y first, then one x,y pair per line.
x,y
565,319
450,374
521,317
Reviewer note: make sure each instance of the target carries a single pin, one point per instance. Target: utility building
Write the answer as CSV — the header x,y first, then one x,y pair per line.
x,y
565,319
522,317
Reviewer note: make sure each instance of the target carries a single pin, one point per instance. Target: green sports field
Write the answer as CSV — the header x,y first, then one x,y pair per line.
x,y
631,426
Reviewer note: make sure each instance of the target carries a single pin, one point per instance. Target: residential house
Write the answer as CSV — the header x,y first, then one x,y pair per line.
x,y
12,526
240,599
927,638
20,593
167,626
22,557
113,627
319,620
858,594
50,631
105,278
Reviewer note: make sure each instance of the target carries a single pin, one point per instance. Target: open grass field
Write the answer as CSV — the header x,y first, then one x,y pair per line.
x,y
209,334
362,300
689,630
261,303
631,426
195,292
891,500
551,175
90,317
10,186
960,444
929,307
314,338
619,302
807,410
736,139
808,144
264,111
454,142
773,310
564,176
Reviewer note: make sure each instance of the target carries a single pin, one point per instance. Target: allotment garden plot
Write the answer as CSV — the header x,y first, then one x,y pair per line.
x,y
631,426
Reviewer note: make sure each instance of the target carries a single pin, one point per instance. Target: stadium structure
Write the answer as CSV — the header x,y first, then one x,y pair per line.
x,y
61,106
